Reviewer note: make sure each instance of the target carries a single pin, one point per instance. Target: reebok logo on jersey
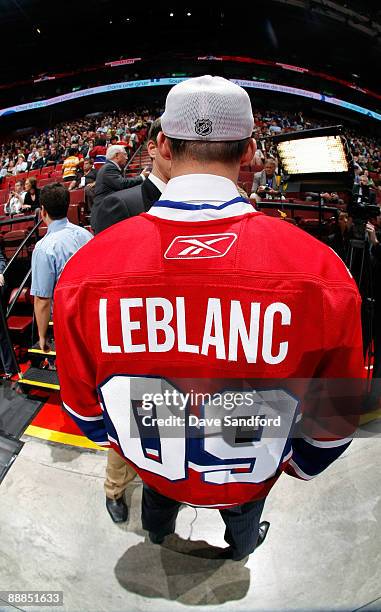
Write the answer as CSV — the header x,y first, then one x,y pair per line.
x,y
203,246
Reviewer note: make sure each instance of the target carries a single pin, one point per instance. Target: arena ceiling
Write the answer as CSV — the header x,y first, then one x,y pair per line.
x,y
343,38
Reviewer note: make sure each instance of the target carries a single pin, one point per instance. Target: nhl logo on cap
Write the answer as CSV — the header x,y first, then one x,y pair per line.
x,y
207,108
203,127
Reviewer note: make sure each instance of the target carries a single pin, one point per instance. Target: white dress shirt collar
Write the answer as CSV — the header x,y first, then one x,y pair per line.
x,y
157,182
208,196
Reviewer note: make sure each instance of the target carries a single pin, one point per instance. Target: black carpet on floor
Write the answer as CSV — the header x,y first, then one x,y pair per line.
x,y
16,412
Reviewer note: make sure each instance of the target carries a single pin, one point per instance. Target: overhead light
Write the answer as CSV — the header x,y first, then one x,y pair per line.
x,y
110,22
355,75
171,14
38,30
127,19
313,155
189,14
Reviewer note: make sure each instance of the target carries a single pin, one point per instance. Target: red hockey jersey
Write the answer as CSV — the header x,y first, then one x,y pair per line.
x,y
165,302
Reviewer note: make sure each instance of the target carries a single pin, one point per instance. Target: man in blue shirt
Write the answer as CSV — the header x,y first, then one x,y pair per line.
x,y
51,253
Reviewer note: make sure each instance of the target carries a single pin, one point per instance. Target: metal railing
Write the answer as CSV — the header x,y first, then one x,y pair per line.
x,y
34,230
137,153
4,315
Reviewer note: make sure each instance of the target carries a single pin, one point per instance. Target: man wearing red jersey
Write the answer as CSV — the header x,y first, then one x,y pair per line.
x,y
203,291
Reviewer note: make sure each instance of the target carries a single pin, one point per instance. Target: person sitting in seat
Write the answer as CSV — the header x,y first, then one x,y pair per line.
x,y
32,195
85,176
15,203
70,166
265,182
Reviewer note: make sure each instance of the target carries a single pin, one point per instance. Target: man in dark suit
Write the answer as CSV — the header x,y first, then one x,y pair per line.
x,y
130,202
117,207
110,177
6,357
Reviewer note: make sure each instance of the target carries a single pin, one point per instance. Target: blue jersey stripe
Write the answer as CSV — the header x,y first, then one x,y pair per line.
x,y
186,206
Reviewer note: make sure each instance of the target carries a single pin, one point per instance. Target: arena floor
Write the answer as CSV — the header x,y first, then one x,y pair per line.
x,y
323,551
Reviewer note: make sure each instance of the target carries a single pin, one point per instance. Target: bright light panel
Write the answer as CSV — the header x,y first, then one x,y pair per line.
x,y
313,155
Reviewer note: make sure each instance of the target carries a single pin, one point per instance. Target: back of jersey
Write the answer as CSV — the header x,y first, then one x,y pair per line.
x,y
186,344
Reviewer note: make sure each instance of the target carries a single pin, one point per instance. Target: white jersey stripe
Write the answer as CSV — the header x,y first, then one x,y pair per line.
x,y
300,472
327,443
79,416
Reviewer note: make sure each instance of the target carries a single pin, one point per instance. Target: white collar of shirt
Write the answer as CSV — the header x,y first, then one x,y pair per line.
x,y
208,195
157,182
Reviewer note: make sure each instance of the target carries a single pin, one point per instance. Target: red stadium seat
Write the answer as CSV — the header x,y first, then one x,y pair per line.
x,y
77,196
73,214
10,181
34,173
59,168
46,171
3,196
21,176
22,320
45,181
12,240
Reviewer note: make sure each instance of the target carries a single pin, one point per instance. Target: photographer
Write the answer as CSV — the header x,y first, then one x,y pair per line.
x,y
265,182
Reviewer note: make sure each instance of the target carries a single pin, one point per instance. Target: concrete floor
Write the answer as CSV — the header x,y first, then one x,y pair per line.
x,y
323,551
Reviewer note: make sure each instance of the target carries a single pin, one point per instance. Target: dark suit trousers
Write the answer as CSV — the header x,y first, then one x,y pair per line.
x,y
159,515
5,351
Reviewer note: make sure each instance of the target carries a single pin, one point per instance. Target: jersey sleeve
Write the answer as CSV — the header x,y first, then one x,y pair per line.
x,y
75,365
330,414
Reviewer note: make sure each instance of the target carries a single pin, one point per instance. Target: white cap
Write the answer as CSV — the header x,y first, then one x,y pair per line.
x,y
207,108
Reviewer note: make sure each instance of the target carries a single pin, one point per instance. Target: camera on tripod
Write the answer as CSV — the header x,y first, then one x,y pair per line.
x,y
361,212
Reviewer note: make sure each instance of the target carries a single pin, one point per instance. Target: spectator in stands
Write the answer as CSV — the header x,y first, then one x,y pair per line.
x,y
133,140
11,168
83,147
110,177
98,152
370,180
32,195
3,170
362,193
15,203
85,176
40,161
5,350
54,157
33,155
21,165
133,201
275,128
51,253
265,181
70,166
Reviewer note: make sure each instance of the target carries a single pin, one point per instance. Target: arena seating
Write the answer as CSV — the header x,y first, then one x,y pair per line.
x,y
20,321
